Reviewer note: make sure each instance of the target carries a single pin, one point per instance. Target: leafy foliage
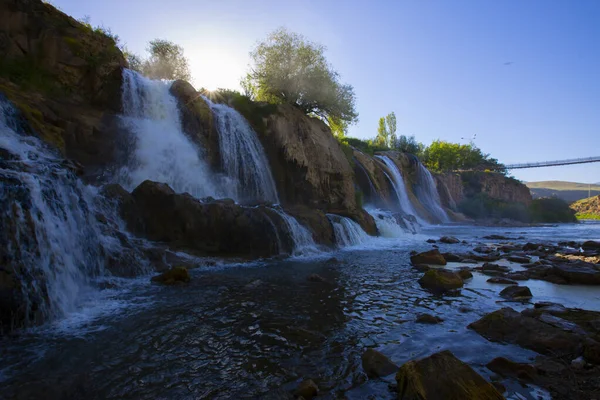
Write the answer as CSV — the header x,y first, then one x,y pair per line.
x,y
408,144
166,60
442,156
386,131
289,69
551,209
366,146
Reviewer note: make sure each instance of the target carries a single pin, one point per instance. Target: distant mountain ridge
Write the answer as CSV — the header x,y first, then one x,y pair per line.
x,y
568,191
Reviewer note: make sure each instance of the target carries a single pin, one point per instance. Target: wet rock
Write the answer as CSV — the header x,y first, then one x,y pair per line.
x,y
494,267
511,369
316,278
508,326
442,376
484,249
449,240
502,281
519,259
497,237
377,365
428,319
487,258
516,293
530,247
441,280
591,245
517,276
449,257
173,276
431,241
428,257
468,261
307,389
465,274
578,272
499,387
422,267
578,363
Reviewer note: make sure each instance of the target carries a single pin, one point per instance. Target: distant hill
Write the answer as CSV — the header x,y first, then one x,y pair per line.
x,y
568,191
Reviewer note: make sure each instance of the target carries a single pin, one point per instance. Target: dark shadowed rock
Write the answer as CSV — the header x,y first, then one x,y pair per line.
x,y
431,241
502,281
449,257
516,293
428,257
511,369
377,365
449,240
316,278
173,276
428,319
441,280
465,274
519,259
442,376
422,267
307,389
591,245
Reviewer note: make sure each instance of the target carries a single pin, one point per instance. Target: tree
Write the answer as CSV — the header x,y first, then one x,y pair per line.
x,y
390,120
166,61
446,156
382,133
408,144
289,69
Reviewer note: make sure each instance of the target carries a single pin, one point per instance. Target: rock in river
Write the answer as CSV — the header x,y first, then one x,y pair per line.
x,y
428,319
376,364
442,376
441,280
449,240
428,257
516,293
173,276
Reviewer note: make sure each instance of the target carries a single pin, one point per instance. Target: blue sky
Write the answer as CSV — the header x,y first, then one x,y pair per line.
x,y
439,65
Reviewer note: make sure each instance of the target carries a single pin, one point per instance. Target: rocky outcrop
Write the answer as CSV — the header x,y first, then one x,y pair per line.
x,y
372,180
220,228
441,280
197,120
442,376
428,257
64,76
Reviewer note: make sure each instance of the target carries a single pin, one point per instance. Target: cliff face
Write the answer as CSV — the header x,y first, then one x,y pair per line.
x,y
64,76
465,185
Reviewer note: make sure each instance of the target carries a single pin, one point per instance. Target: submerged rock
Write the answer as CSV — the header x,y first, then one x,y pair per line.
x,y
511,369
316,278
376,364
428,319
519,259
442,376
428,257
441,280
516,293
465,274
173,276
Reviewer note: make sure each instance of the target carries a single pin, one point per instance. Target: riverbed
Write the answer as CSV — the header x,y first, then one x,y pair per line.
x,y
257,329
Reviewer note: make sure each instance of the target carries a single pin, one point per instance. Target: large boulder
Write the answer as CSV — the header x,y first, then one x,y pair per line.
x,y
173,276
428,257
376,364
220,228
442,376
441,280
516,293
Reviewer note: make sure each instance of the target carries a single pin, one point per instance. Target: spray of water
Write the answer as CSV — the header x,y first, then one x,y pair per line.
x,y
428,195
346,231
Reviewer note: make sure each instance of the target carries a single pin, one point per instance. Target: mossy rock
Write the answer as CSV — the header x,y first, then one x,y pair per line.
x,y
428,257
441,280
442,376
173,276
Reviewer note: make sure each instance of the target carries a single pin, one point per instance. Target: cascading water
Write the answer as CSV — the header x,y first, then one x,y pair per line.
x,y
52,241
428,195
400,188
304,243
347,232
392,225
162,152
242,156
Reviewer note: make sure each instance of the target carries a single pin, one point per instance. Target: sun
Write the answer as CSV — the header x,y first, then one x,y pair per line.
x,y
214,69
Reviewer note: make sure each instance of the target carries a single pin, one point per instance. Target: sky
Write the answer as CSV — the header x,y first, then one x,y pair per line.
x,y
520,77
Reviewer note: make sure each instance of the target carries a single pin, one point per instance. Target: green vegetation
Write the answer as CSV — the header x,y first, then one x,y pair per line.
x,y
386,131
29,75
288,69
588,208
253,112
366,146
166,60
442,156
581,216
551,209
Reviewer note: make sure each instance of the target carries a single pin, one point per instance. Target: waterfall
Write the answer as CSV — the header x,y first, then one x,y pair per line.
x,y
242,156
428,195
301,237
52,242
399,187
161,150
347,232
392,225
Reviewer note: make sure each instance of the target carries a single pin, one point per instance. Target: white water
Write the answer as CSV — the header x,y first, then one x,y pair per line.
x,y
242,156
162,152
400,188
388,226
428,195
54,242
302,238
346,231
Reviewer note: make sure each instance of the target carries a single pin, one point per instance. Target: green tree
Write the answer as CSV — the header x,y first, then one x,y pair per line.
x,y
382,138
408,144
166,61
289,69
446,156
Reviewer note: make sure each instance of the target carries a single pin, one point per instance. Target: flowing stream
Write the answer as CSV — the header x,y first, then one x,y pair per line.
x,y
428,195
347,232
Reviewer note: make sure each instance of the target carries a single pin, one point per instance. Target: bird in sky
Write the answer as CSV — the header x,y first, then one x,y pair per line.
x,y
508,63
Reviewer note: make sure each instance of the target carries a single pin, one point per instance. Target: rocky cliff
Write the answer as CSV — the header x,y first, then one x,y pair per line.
x,y
496,186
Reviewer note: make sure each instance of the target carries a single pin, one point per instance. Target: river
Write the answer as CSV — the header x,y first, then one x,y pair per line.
x,y
247,330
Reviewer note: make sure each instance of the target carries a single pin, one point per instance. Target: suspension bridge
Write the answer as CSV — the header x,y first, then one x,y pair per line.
x,y
540,164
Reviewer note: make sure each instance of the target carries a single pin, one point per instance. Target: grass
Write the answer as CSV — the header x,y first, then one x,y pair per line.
x,y
595,217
